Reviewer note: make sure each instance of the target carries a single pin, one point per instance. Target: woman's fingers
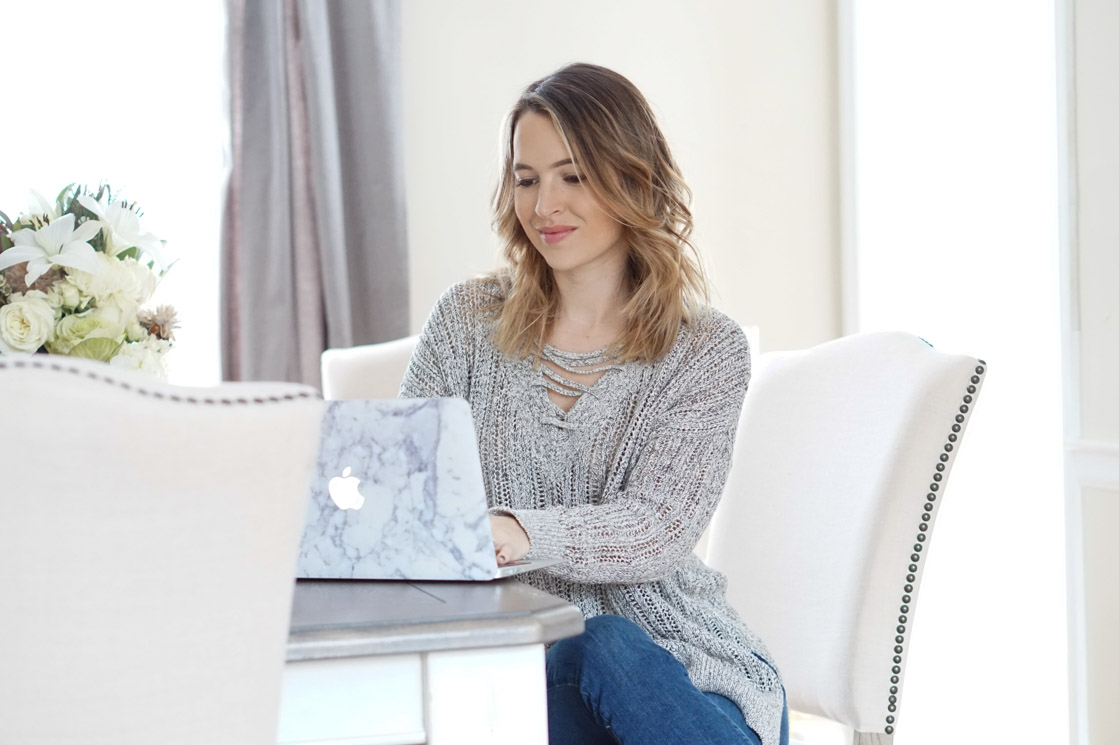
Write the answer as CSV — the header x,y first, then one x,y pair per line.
x,y
510,542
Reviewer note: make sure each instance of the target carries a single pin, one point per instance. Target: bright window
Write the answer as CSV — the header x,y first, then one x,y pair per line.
x,y
132,93
955,216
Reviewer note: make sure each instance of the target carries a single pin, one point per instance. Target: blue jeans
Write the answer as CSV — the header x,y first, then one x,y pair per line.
x,y
613,684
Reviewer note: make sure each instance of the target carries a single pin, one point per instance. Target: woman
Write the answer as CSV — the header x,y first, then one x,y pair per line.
x,y
605,397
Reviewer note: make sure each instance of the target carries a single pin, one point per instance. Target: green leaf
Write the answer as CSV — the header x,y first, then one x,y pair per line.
x,y
131,253
96,349
65,198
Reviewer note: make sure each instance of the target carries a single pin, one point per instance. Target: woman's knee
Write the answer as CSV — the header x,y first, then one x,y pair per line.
x,y
610,629
604,642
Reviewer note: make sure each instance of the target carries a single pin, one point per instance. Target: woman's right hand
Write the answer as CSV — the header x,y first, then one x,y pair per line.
x,y
510,541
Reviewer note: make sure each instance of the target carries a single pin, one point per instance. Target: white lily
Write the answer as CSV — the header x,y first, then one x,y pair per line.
x,y
40,206
56,244
123,229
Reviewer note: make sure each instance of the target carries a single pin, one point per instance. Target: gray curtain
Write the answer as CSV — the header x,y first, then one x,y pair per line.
x,y
314,251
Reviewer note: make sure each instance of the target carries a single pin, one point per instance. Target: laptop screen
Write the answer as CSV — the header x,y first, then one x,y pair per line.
x,y
397,494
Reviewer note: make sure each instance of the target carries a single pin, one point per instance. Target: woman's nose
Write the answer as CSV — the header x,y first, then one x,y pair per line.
x,y
547,199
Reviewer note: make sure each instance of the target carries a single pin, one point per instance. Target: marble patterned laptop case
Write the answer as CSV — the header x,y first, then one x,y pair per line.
x,y
397,494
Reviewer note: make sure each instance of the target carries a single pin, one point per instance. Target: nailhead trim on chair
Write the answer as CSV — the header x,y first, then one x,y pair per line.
x,y
204,400
922,536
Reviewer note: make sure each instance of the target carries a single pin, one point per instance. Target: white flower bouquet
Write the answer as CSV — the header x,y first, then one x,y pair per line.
x,y
74,276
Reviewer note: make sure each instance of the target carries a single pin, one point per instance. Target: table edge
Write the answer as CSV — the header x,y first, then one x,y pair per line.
x,y
538,627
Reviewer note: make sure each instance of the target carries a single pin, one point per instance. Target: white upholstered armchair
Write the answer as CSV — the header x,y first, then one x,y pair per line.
x,y
367,371
840,466
148,539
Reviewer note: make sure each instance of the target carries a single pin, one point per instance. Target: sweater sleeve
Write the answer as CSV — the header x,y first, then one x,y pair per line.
x,y
644,529
440,364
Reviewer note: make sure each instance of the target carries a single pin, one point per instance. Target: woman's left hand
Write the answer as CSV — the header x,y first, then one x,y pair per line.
x,y
510,542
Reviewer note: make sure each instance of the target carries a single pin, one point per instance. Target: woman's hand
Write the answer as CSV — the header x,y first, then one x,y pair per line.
x,y
510,542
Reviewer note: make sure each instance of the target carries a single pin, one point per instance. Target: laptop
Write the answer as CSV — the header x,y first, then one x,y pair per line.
x,y
398,494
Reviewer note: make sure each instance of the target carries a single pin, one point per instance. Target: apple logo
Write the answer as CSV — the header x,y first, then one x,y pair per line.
x,y
343,490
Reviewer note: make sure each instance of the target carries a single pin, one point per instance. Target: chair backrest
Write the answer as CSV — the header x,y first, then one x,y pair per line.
x,y
148,543
368,371
842,455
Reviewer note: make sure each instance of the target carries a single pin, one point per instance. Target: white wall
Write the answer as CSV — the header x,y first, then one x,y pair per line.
x,y
744,92
1091,285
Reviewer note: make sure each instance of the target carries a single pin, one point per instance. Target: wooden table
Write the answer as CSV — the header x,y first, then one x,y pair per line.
x,y
406,663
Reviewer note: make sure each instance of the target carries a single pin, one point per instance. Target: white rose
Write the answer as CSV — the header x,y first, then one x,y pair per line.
x,y
142,281
26,323
119,311
64,294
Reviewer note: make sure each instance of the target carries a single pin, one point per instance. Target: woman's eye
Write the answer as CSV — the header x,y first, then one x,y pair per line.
x,y
526,181
573,179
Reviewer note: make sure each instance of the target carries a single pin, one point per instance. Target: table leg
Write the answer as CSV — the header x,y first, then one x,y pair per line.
x,y
486,696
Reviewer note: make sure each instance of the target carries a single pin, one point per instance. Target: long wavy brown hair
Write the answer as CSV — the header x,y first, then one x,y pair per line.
x,y
613,138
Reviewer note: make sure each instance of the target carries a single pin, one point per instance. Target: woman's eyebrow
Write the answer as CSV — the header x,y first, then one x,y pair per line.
x,y
557,164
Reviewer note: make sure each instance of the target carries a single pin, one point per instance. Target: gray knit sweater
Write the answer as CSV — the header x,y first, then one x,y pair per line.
x,y
620,487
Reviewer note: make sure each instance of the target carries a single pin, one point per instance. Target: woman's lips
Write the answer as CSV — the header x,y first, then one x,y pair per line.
x,y
555,236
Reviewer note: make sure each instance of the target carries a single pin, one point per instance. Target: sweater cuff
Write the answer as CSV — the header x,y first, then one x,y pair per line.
x,y
545,534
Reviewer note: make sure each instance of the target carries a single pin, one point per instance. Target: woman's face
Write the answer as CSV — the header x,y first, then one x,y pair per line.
x,y
556,209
